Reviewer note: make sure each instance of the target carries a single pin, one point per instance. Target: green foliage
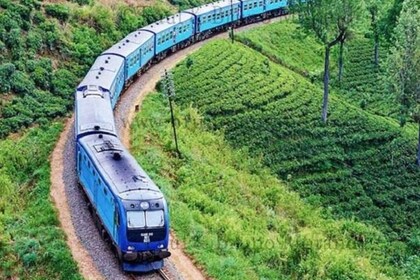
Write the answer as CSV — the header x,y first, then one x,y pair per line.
x,y
285,43
363,84
403,65
233,215
31,244
389,21
186,4
358,165
59,11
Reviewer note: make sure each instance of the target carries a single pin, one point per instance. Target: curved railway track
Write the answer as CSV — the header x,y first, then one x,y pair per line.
x,y
94,257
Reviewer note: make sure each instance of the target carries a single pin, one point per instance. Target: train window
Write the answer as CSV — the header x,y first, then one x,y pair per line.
x,y
255,4
93,172
136,219
105,191
261,3
154,218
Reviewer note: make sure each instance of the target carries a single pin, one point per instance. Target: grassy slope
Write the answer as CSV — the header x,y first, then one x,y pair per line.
x,y
236,218
358,165
32,245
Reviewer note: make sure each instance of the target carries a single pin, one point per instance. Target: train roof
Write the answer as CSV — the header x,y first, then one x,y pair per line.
x,y
119,169
103,72
168,22
93,112
212,6
130,43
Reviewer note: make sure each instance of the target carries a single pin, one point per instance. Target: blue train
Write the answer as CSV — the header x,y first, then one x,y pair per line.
x,y
128,208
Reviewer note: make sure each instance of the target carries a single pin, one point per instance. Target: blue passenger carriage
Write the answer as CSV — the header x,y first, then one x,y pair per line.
x,y
107,73
253,7
137,49
127,206
215,16
171,32
276,5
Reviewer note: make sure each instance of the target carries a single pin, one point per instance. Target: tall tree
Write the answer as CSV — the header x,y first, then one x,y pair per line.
x,y
389,20
373,9
330,21
403,65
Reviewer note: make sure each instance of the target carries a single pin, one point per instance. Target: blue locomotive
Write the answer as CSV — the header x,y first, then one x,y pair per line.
x,y
128,208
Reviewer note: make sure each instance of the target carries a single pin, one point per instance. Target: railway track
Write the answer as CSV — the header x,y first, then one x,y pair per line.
x,y
160,273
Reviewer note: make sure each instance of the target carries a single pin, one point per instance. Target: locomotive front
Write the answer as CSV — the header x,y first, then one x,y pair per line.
x,y
146,230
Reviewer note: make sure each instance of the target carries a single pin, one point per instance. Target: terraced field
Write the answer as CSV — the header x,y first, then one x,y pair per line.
x,y
363,83
359,165
285,43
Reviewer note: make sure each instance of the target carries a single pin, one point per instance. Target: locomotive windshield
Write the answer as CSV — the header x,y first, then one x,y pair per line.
x,y
142,219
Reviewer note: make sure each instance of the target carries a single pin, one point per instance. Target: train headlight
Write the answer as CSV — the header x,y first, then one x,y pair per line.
x,y
160,246
130,248
144,205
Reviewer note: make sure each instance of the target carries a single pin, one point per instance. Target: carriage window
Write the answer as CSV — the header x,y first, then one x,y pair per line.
x,y
261,3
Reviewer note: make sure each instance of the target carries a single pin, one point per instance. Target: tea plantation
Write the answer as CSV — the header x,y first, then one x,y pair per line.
x,y
358,165
285,43
236,218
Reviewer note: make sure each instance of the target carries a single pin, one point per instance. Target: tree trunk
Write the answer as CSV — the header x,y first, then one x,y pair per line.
x,y
376,50
340,61
418,148
326,82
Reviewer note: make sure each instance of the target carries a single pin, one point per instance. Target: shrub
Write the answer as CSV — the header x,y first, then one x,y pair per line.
x,y
59,11
21,83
